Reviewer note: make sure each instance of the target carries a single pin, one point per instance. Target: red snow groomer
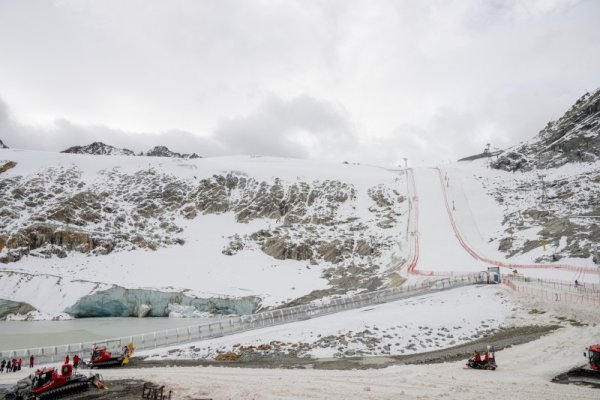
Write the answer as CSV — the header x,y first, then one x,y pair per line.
x,y
47,384
589,373
101,357
487,361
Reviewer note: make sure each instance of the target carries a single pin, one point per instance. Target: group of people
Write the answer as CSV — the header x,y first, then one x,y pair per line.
x,y
76,360
486,358
14,365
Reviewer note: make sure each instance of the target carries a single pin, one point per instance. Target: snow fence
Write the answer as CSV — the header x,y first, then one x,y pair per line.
x,y
232,325
555,291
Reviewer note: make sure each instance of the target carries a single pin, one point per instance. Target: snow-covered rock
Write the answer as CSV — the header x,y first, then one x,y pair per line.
x,y
2,145
163,151
99,148
575,137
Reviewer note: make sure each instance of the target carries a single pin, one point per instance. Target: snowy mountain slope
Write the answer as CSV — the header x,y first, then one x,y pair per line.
x,y
575,137
562,212
471,194
548,191
274,228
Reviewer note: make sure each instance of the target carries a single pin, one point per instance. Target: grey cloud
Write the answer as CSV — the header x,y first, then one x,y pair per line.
x,y
301,127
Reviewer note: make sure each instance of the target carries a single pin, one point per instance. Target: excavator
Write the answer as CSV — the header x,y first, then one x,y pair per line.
x,y
101,357
47,384
589,373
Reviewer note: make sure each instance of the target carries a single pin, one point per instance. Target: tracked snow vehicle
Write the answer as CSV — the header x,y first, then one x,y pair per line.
x,y
47,384
487,362
101,357
589,373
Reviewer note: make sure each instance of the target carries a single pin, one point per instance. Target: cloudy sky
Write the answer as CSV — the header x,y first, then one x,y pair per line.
x,y
366,81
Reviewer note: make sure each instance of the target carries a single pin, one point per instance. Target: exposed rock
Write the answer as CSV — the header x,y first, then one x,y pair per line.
x,y
7,165
281,249
99,148
505,244
163,151
556,228
2,145
59,240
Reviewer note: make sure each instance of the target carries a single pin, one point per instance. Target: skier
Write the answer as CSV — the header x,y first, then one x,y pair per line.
x,y
31,361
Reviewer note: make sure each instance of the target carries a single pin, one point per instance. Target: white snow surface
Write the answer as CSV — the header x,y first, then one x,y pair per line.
x,y
407,326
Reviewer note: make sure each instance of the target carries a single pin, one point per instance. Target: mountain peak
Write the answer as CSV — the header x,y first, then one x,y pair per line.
x,y
575,137
163,151
99,148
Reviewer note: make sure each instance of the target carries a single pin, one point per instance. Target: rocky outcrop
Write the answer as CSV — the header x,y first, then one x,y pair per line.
x,y
282,249
2,145
5,166
575,137
46,240
121,302
163,151
99,148
56,211
8,307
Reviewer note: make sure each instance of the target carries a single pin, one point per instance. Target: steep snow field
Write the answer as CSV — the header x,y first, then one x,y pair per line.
x,y
455,204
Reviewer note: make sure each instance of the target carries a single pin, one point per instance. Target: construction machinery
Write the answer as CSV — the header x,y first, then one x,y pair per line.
x,y
47,384
589,373
101,357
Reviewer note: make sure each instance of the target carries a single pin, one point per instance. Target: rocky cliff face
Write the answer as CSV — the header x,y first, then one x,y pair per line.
x,y
55,211
163,151
2,145
99,148
575,137
560,205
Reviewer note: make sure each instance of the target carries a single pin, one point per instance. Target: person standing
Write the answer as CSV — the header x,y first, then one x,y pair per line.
x,y
19,364
2,364
31,361
76,360
14,365
67,359
8,366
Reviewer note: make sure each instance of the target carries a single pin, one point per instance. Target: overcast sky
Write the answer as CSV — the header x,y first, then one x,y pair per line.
x,y
365,81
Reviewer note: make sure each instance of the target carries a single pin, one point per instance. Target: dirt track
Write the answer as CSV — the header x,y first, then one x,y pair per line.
x,y
502,339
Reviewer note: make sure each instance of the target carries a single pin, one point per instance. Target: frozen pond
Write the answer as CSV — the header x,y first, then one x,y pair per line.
x,y
30,334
